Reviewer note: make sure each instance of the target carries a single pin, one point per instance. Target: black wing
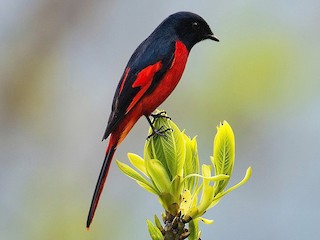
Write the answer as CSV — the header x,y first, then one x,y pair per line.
x,y
156,55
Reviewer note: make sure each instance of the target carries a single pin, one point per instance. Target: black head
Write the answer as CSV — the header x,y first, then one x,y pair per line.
x,y
190,28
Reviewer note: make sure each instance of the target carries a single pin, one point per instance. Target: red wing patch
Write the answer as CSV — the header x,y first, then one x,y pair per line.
x,y
144,80
124,79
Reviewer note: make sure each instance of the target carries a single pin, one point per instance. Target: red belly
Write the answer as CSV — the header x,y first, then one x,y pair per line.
x,y
170,80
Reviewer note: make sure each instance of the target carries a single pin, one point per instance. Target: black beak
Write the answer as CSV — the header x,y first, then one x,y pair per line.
x,y
212,37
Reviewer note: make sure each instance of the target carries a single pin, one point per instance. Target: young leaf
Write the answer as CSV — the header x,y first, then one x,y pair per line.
x,y
207,191
127,170
243,181
223,154
138,162
158,175
206,221
168,149
219,196
194,229
191,165
176,187
149,188
195,159
154,232
158,223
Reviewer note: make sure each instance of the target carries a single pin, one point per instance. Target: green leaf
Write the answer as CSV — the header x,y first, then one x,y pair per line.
x,y
195,159
188,168
216,200
149,188
215,178
194,229
158,175
205,221
218,197
158,223
168,149
207,191
191,165
127,170
154,232
223,154
243,181
176,187
138,162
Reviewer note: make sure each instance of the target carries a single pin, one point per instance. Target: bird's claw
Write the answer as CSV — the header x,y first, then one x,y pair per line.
x,y
159,132
161,114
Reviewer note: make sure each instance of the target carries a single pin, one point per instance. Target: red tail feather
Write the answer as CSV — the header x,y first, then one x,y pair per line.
x,y
101,180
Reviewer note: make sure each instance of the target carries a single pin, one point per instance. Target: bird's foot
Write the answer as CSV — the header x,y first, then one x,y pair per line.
x,y
161,114
159,132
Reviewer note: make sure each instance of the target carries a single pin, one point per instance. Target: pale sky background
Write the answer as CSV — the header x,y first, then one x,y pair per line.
x,y
60,64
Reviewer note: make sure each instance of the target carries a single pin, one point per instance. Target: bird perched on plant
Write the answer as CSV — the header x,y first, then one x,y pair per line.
x,y
150,76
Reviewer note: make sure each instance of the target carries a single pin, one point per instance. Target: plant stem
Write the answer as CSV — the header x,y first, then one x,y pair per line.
x,y
174,228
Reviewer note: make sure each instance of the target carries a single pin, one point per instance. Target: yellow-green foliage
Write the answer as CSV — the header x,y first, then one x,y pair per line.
x,y
170,169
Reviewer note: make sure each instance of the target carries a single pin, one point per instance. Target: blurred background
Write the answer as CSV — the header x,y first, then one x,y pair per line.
x,y
60,63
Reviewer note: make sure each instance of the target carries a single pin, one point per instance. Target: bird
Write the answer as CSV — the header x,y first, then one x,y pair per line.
x,y
151,74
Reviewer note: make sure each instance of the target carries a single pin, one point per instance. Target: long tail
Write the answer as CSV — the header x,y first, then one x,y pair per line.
x,y
101,180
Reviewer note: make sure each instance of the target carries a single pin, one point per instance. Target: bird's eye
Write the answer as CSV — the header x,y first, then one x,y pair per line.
x,y
195,25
